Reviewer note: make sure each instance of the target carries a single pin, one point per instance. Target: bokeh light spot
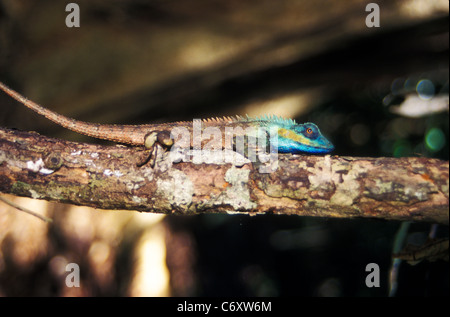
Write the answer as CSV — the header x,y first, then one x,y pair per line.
x,y
425,89
435,139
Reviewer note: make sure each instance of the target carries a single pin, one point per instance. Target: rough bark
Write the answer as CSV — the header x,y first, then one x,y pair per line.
x,y
108,177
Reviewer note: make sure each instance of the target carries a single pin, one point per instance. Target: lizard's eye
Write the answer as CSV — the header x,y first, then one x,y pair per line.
x,y
309,131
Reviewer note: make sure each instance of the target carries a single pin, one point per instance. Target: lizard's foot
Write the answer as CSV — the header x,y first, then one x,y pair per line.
x,y
149,156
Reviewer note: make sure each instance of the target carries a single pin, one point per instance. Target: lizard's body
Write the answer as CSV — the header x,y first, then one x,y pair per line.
x,y
292,137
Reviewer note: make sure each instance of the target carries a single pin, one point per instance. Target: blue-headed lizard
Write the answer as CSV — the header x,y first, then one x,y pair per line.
x,y
291,137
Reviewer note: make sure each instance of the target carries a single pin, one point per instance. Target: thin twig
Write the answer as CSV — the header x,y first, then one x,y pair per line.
x,y
6,201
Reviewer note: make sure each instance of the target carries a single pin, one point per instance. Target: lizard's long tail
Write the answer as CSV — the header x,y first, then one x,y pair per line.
x,y
129,134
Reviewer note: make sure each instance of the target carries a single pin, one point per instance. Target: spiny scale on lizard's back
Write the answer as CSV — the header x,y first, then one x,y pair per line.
x,y
271,119
262,120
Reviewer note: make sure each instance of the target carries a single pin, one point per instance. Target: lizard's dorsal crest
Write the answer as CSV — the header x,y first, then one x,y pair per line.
x,y
272,119
223,119
264,118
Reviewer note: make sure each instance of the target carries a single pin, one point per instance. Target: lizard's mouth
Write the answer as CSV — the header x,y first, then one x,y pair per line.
x,y
320,146
325,149
324,146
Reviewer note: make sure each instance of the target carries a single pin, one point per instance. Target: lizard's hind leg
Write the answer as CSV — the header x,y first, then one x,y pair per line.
x,y
152,141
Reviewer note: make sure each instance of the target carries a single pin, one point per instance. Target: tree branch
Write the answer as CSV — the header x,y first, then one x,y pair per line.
x,y
108,177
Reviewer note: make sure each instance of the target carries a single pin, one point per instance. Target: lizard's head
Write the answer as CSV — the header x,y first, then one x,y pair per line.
x,y
303,138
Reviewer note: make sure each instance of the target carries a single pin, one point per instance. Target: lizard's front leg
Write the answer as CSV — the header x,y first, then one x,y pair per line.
x,y
151,142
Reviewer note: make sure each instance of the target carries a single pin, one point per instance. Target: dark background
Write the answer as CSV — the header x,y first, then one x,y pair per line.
x,y
159,61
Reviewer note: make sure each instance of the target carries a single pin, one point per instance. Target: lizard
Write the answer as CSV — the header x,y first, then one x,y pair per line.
x,y
292,137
